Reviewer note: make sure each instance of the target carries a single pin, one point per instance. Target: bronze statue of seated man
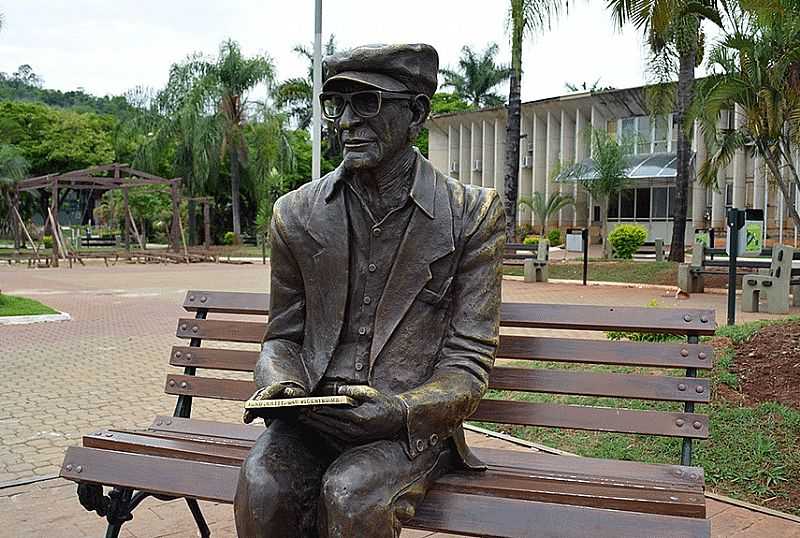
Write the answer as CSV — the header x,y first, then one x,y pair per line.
x,y
385,287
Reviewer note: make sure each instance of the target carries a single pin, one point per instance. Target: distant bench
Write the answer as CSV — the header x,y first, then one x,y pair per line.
x,y
523,492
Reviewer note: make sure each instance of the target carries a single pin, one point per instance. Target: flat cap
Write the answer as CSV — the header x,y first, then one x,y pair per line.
x,y
395,68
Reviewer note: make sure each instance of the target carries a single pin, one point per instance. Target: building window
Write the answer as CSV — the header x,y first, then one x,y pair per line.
x,y
613,206
660,202
729,195
627,135
661,134
643,203
675,127
644,135
627,204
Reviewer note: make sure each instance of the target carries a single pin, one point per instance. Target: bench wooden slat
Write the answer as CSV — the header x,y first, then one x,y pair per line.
x,y
238,360
552,316
592,418
606,352
228,302
209,387
511,347
207,428
572,489
452,512
602,318
221,330
512,518
645,387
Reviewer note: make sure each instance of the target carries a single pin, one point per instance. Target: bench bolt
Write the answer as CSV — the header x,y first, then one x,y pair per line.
x,y
177,354
687,318
68,467
681,386
684,352
171,382
183,326
699,389
697,425
79,469
203,299
702,355
184,384
191,297
680,422
195,329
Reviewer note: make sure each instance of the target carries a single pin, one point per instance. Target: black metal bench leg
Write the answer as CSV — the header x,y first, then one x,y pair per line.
x,y
119,510
202,526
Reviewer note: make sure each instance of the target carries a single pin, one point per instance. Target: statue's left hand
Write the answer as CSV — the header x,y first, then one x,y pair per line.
x,y
378,416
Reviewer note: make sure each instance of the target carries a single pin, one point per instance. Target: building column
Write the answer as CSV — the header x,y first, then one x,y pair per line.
x,y
500,156
439,148
699,193
539,154
453,143
487,155
718,196
739,166
524,214
567,151
475,155
581,152
464,153
552,159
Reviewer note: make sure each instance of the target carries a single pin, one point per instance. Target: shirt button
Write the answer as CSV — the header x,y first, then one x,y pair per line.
x,y
420,445
434,439
359,366
367,299
376,232
372,267
362,331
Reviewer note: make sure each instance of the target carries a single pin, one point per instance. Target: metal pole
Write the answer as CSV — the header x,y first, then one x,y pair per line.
x,y
585,238
316,125
733,247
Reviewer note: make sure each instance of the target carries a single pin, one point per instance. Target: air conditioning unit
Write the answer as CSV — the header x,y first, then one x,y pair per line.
x,y
453,167
530,148
476,165
527,161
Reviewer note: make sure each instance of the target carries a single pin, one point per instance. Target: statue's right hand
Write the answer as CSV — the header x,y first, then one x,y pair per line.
x,y
270,392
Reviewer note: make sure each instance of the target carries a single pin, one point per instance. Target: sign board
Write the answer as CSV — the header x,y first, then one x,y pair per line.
x,y
751,232
574,240
702,236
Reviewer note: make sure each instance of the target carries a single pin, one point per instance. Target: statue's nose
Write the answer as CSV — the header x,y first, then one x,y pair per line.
x,y
349,117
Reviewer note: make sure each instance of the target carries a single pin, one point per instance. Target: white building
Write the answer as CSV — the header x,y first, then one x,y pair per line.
x,y
470,146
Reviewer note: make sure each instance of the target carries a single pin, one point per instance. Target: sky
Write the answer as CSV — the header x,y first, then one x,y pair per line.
x,y
108,47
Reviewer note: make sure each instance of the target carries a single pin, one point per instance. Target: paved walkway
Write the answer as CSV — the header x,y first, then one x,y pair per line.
x,y
106,366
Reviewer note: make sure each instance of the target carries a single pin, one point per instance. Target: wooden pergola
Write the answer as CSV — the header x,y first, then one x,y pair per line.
x,y
99,178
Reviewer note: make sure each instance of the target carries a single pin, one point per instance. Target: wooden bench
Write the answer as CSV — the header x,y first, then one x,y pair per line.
x,y
706,261
524,493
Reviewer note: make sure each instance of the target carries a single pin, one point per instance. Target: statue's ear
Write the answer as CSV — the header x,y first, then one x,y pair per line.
x,y
420,108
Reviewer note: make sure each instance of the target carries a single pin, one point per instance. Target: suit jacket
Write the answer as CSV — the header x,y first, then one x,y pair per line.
x,y
437,321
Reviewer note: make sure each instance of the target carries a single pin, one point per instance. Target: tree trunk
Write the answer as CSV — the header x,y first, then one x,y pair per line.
x,y
684,150
237,225
604,227
511,179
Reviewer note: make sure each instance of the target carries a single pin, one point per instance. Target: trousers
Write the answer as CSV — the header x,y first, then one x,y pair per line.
x,y
295,483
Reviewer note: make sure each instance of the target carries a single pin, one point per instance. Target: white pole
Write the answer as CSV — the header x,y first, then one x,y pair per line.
x,y
316,126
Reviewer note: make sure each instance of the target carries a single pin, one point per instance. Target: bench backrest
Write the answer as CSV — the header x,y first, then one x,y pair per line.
x,y
781,267
521,251
686,389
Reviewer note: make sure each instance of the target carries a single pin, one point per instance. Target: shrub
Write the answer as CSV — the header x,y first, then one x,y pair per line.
x,y
229,238
532,240
626,239
47,240
554,237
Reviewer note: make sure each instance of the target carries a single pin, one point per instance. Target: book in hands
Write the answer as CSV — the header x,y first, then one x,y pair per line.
x,y
300,402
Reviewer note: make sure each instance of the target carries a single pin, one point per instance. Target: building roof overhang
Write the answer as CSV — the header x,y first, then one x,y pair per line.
x,y
640,167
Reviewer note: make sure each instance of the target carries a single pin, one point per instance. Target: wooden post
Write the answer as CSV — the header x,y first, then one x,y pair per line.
x,y
15,224
176,216
54,219
206,224
127,233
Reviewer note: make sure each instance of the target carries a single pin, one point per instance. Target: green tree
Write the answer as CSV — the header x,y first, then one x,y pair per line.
x,y
477,76
673,29
755,67
227,80
524,18
543,208
606,178
13,168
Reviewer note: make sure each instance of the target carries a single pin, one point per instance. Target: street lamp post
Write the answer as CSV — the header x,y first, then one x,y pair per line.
x,y
316,127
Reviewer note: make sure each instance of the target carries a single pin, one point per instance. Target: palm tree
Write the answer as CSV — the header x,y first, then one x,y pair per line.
x,y
673,29
295,95
755,67
543,208
524,18
607,178
477,75
227,81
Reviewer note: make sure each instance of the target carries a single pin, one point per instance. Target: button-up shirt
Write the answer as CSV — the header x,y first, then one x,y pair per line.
x,y
373,246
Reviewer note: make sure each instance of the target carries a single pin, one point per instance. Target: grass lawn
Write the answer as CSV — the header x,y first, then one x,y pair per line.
x,y
638,272
752,453
22,306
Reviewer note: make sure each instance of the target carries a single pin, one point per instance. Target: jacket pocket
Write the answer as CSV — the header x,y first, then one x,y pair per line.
x,y
430,296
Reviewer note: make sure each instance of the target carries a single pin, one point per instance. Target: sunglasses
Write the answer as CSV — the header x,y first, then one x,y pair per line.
x,y
367,103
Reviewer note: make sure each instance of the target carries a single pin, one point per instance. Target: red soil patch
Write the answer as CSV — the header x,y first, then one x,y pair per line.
x,y
768,365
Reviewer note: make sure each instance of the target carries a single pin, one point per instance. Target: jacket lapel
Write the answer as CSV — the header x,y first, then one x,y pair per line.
x,y
327,226
428,237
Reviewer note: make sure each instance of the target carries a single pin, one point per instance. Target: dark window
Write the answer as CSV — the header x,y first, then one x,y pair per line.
x,y
596,214
729,195
643,203
626,206
659,202
613,206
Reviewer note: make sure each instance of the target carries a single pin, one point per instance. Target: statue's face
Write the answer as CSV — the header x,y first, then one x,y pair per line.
x,y
369,142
